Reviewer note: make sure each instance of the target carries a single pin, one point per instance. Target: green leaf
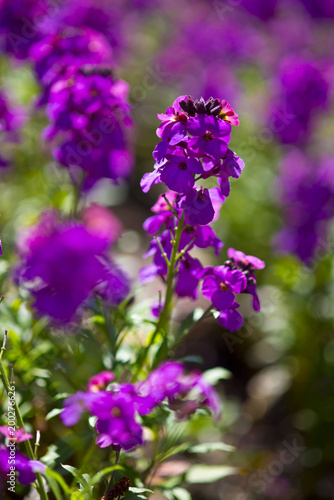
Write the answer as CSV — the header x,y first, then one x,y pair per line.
x,y
51,455
215,374
139,490
97,478
209,473
62,395
206,447
53,413
132,496
60,480
181,494
84,483
54,487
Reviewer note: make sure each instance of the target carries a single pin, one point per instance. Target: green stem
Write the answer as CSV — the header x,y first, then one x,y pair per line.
x,y
113,472
40,485
163,322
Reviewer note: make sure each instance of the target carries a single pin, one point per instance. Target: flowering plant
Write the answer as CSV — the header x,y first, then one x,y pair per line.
x,y
66,267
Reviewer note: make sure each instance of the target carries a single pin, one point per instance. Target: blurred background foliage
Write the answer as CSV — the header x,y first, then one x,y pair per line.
x,y
282,361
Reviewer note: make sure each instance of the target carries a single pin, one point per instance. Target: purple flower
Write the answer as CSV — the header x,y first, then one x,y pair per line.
x,y
220,286
247,264
116,424
301,82
17,437
114,286
246,260
185,393
99,381
62,264
207,132
164,214
65,52
173,128
198,208
10,120
319,8
307,194
178,172
263,9
227,113
74,406
90,118
117,410
230,318
188,277
20,25
195,136
25,468
203,236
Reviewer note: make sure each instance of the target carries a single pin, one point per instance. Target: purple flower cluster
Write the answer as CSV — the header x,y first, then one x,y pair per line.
x,y
194,146
307,194
319,8
118,408
20,25
235,276
64,263
64,52
90,117
190,271
25,468
10,121
73,60
303,91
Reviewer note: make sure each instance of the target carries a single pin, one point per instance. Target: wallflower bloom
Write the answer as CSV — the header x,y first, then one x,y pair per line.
x,y
221,286
25,468
62,264
10,120
303,93
235,276
90,118
117,409
307,195
20,25
65,52
18,436
195,137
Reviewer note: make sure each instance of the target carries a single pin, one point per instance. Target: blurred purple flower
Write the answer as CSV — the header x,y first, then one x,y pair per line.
x,y
319,8
25,468
90,117
303,91
307,194
62,264
220,286
20,25
11,118
99,381
18,436
65,52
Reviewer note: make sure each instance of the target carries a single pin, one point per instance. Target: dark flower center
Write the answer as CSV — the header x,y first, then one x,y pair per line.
x,y
183,166
223,286
208,136
116,412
